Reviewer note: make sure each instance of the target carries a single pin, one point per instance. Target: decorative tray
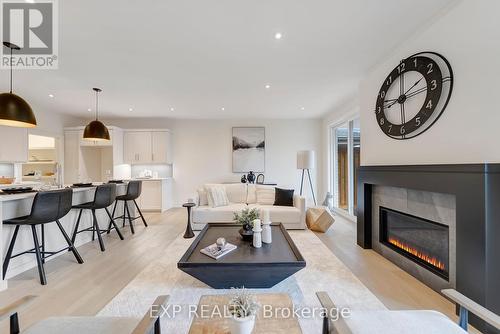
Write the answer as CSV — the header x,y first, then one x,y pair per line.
x,y
82,185
19,190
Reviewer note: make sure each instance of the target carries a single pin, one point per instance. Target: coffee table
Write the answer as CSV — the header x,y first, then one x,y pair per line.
x,y
245,266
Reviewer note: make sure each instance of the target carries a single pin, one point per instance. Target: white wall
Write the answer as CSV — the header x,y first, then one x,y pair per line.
x,y
467,132
202,150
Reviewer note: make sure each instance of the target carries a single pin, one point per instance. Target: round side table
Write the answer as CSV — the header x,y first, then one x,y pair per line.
x,y
189,231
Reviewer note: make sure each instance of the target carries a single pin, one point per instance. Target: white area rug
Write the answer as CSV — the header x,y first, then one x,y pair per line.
x,y
323,272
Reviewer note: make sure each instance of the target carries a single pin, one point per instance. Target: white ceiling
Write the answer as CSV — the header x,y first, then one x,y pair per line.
x,y
198,56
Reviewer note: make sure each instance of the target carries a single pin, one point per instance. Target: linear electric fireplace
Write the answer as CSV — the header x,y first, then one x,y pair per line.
x,y
423,241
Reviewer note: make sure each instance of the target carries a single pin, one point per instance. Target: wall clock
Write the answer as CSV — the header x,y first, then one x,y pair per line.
x,y
414,95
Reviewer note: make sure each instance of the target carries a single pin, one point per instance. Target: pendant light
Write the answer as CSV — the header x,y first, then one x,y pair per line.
x,y
14,110
96,130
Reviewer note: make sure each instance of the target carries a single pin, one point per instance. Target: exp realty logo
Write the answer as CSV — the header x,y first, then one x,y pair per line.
x,y
33,26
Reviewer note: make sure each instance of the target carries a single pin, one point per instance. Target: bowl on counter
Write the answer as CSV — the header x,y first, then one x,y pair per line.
x,y
6,180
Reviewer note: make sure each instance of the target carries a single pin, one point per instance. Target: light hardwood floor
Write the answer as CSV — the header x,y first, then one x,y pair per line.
x,y
84,289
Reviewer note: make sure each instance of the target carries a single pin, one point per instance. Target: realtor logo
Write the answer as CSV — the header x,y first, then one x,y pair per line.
x,y
33,26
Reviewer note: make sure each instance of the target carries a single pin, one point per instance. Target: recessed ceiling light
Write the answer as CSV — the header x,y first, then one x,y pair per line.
x,y
51,95
278,35
302,108
30,1
267,86
172,109
222,108
130,109
89,109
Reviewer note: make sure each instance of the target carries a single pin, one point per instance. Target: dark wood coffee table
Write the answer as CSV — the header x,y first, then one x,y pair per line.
x,y
245,266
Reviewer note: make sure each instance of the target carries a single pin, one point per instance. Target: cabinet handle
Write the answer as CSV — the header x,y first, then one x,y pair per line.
x,y
152,156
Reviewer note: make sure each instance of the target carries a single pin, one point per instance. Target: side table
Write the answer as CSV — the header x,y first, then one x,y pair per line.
x,y
189,231
319,219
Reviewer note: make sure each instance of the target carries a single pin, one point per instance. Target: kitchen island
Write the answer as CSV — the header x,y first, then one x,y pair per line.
x,y
18,205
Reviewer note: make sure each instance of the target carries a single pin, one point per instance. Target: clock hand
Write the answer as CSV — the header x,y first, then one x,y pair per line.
x,y
421,90
416,83
391,104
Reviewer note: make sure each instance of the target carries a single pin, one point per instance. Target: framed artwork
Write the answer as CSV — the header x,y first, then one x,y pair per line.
x,y
249,147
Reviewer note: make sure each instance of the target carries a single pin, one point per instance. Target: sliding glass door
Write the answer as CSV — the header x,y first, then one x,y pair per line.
x,y
345,155
342,166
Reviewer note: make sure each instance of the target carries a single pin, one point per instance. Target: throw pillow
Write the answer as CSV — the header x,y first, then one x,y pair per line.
x,y
265,195
202,197
284,197
217,196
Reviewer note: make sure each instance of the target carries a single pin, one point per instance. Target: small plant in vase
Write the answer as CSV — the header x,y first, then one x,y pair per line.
x,y
243,307
245,218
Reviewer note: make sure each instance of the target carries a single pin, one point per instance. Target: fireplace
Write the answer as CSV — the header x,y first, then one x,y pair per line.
x,y
463,197
423,241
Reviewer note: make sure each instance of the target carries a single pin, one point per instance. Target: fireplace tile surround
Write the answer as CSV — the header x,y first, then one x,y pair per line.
x,y
476,189
435,207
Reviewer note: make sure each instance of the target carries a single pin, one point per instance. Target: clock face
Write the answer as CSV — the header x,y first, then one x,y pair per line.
x,y
414,95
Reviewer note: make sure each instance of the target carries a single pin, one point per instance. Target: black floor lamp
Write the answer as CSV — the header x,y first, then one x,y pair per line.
x,y
306,162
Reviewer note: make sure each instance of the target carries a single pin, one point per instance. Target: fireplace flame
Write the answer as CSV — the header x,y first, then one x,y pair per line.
x,y
427,258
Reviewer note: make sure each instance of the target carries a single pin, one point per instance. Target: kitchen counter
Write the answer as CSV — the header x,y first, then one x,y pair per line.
x,y
152,178
18,205
13,197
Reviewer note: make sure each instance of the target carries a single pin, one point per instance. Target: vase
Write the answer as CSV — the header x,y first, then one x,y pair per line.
x,y
251,177
257,237
266,232
242,325
246,232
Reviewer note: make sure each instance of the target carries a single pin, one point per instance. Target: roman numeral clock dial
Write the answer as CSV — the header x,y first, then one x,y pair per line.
x,y
414,95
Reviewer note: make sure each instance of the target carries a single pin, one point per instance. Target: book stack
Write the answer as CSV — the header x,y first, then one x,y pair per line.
x,y
215,252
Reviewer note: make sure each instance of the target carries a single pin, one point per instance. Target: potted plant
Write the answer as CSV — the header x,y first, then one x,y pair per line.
x,y
243,308
245,218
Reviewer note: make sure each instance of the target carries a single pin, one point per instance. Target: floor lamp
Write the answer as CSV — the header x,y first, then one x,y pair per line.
x,y
306,161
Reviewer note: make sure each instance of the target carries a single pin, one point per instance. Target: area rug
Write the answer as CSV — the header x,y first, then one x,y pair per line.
x,y
323,272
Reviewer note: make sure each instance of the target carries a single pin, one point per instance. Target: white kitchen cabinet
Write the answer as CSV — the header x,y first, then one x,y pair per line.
x,y
156,195
145,146
13,144
161,147
150,199
137,147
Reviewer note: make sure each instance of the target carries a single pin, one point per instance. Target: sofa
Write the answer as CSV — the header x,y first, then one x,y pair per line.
x,y
242,196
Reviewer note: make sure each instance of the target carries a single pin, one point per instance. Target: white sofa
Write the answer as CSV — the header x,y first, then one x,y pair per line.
x,y
243,196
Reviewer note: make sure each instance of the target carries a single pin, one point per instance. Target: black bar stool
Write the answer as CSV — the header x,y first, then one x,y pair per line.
x,y
48,207
134,189
104,196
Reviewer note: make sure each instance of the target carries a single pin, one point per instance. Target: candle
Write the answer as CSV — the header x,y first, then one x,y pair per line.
x,y
256,224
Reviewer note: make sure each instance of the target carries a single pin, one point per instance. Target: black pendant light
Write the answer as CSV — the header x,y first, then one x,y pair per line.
x,y
96,130
14,110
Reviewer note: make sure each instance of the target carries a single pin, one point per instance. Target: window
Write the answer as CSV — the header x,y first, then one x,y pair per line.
x,y
346,148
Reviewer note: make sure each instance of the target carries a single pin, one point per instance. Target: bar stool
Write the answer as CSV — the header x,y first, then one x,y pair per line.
x,y
134,189
47,207
104,196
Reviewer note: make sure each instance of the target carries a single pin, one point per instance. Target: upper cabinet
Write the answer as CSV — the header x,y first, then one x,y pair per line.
x,y
13,144
147,146
161,147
